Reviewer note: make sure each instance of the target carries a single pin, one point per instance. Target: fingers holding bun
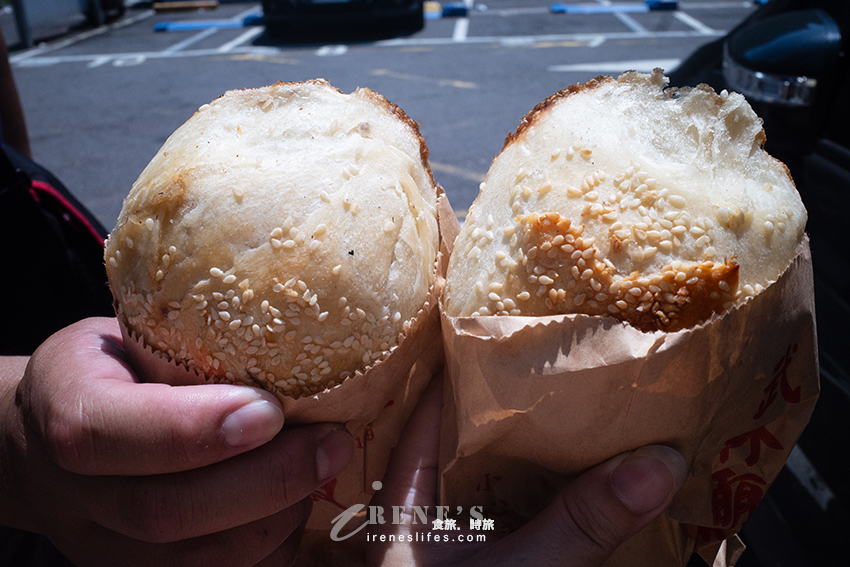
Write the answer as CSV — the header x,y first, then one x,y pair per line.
x,y
283,236
625,198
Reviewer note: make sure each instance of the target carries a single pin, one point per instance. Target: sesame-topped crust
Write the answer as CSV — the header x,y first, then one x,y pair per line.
x,y
284,237
656,206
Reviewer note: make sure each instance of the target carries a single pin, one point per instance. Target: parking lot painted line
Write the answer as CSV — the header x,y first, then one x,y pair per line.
x,y
422,79
42,48
191,40
118,59
530,39
456,171
643,65
244,37
461,29
332,50
716,5
631,23
624,18
693,22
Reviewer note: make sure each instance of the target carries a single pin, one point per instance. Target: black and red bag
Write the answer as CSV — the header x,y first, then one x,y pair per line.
x,y
51,256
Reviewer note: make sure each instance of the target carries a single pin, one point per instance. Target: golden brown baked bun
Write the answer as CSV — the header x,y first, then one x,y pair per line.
x,y
620,197
283,236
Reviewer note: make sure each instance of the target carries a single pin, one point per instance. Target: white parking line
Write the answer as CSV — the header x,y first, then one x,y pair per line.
x,y
532,39
41,49
513,41
642,65
461,29
244,37
693,22
631,23
203,34
716,5
626,19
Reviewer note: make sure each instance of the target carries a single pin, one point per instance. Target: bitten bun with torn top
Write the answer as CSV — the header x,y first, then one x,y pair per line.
x,y
283,237
654,205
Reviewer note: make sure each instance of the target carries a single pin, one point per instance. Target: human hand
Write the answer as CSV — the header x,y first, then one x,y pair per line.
x,y
117,472
587,521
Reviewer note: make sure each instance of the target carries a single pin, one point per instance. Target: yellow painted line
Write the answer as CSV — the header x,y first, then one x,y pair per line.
x,y
267,58
457,171
545,44
419,78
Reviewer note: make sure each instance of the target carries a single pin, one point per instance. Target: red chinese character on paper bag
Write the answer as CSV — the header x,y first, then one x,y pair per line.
x,y
735,497
756,437
368,435
780,380
488,486
326,492
707,535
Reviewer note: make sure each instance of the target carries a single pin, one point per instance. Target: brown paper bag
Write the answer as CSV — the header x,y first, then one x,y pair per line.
x,y
374,405
532,402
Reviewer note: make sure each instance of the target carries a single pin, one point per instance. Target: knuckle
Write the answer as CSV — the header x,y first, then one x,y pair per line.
x,y
68,438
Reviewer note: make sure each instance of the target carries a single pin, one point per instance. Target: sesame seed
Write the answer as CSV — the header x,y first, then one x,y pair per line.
x,y
216,273
149,223
229,279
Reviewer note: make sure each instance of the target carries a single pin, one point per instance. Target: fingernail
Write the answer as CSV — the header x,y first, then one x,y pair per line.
x,y
334,453
648,477
252,424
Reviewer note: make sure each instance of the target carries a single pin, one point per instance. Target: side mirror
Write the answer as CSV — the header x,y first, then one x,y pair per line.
x,y
781,59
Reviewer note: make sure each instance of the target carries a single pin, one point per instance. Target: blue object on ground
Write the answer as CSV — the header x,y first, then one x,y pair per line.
x,y
189,25
662,4
597,8
634,7
455,9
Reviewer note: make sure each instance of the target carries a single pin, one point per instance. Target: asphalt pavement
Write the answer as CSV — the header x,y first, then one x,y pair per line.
x,y
100,102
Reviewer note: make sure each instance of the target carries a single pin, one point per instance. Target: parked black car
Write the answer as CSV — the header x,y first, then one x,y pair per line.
x,y
345,19
789,58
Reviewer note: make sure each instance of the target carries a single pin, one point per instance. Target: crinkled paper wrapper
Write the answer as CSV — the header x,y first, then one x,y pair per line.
x,y
373,405
532,402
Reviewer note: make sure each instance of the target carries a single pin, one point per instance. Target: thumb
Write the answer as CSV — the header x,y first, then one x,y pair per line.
x,y
603,508
82,400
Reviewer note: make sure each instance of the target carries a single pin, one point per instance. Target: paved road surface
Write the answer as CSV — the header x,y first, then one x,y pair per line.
x,y
99,103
